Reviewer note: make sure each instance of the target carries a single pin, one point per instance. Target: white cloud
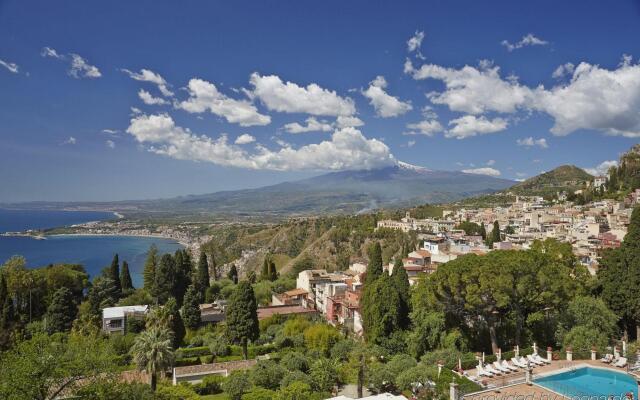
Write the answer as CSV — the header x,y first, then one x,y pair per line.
x,y
595,98
482,171
288,97
530,142
563,70
110,131
426,127
473,90
491,162
385,105
135,111
12,67
602,168
147,98
146,75
348,121
527,40
245,138
347,148
204,96
78,66
411,143
470,125
110,144
415,41
313,125
70,140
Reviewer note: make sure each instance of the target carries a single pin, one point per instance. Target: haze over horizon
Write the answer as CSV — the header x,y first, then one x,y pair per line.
x,y
156,100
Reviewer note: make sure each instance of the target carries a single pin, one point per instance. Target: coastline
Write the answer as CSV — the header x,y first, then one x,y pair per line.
x,y
158,236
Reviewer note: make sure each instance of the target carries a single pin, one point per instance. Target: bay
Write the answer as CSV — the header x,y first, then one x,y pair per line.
x,y
93,252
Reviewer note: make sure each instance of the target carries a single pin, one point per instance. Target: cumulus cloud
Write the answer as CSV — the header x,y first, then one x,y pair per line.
x,y
245,138
348,148
531,142
482,171
312,125
527,40
473,90
470,125
289,97
426,127
602,168
563,70
595,98
78,66
204,96
146,75
147,98
348,121
12,67
385,105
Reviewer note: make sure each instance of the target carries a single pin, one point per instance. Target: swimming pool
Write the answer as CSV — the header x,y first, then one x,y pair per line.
x,y
587,381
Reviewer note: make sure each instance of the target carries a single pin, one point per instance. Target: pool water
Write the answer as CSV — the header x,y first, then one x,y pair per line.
x,y
586,381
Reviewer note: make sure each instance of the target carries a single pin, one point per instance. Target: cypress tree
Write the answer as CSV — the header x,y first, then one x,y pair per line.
x,y
381,309
175,324
400,280
114,274
273,272
191,308
125,278
61,312
374,267
483,231
165,278
202,275
6,312
264,274
233,274
242,316
495,233
214,267
149,272
182,276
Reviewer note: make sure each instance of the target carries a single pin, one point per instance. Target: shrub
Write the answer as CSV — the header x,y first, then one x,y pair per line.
x,y
295,361
236,385
211,384
267,374
295,376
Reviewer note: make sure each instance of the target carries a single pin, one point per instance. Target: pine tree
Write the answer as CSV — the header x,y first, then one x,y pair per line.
x,y
149,272
400,280
165,278
61,311
374,268
242,316
191,308
233,274
114,274
125,278
202,275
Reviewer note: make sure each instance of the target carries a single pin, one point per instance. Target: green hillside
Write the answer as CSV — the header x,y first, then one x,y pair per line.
x,y
563,178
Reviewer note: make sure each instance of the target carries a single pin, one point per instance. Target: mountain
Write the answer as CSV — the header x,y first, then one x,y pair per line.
x,y
336,192
562,178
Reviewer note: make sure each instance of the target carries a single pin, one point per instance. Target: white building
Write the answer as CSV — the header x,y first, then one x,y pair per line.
x,y
114,319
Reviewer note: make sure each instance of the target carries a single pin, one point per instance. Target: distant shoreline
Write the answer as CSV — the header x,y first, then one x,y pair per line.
x,y
182,243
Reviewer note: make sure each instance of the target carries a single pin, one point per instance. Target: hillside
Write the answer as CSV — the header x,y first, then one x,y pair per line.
x,y
563,178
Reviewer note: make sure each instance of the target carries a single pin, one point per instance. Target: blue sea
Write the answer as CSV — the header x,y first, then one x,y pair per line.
x,y
94,252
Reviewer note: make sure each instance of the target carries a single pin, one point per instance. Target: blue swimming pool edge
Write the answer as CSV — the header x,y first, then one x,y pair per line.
x,y
575,367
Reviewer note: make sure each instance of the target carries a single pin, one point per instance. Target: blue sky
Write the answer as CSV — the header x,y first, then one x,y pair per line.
x,y
225,81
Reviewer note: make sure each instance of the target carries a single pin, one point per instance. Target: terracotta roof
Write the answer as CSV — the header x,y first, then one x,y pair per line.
x,y
266,312
423,253
296,292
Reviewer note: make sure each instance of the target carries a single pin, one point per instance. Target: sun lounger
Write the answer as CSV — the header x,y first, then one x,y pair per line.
x,y
607,358
621,362
540,359
500,368
490,369
506,364
483,372
533,360
518,362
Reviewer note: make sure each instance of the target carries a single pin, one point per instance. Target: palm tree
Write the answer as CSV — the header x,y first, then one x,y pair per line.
x,y
153,353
